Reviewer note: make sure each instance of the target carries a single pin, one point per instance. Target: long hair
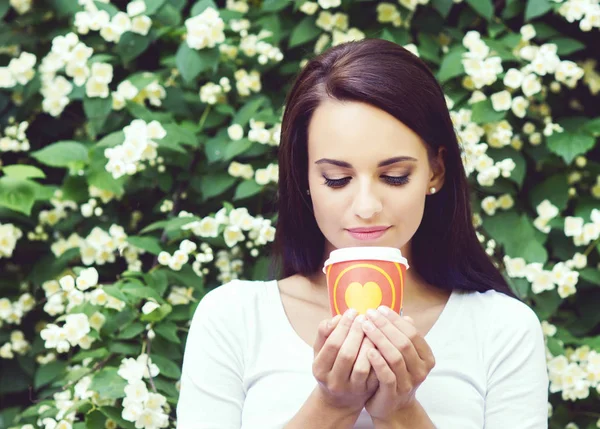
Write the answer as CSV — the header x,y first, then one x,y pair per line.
x,y
445,248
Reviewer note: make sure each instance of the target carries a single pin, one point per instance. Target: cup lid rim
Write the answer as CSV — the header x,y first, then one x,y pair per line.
x,y
375,254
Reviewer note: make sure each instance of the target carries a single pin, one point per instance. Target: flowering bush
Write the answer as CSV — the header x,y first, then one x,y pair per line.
x,y
138,147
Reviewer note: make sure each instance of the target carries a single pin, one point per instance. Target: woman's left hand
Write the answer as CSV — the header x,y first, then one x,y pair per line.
x,y
402,360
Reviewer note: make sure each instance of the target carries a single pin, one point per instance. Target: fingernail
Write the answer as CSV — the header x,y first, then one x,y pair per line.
x,y
368,326
372,314
360,318
351,313
383,310
333,321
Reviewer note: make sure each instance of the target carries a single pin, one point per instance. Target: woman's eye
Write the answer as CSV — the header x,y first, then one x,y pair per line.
x,y
336,183
396,180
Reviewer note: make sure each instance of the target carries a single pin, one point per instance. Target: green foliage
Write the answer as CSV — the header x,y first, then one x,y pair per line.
x,y
122,156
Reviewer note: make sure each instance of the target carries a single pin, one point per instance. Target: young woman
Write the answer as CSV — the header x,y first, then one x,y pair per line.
x,y
368,157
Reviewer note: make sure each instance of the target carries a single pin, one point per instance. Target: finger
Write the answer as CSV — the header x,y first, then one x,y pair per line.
x,y
348,353
385,376
325,329
328,353
406,325
362,366
394,346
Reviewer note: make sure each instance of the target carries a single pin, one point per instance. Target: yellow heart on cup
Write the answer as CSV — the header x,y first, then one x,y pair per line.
x,y
362,297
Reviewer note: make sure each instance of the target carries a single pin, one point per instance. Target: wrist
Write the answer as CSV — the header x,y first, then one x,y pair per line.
x,y
342,413
406,417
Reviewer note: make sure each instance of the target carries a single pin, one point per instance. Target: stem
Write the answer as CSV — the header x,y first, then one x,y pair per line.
x,y
148,342
591,246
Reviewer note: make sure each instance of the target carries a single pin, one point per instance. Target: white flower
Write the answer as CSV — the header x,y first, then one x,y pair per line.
x,y
136,7
573,226
309,7
326,4
205,30
187,246
235,132
501,101
131,370
519,106
76,327
579,261
97,320
141,25
87,278
67,283
527,32
542,281
96,88
233,235
547,210
531,85
136,390
149,307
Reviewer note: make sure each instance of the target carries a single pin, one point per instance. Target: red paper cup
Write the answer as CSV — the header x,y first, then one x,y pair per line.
x,y
365,277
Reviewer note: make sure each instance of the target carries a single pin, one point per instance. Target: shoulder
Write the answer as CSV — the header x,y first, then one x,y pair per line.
x,y
229,299
498,311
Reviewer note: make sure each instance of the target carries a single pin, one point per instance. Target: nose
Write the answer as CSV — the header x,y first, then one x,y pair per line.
x,y
366,203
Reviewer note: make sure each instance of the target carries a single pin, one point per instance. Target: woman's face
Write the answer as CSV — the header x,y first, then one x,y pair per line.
x,y
368,175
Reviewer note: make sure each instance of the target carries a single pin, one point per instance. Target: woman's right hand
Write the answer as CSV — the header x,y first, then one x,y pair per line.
x,y
341,367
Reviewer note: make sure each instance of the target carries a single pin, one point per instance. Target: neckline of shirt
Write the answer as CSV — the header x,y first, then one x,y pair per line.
x,y
435,336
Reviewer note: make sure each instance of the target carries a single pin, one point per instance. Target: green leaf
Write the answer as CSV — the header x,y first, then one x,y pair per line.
x,y
131,45
568,145
23,172
114,413
157,315
17,194
248,111
235,148
179,134
131,331
304,32
483,112
517,235
169,225
186,277
216,184
554,188
592,127
140,291
152,6
247,189
45,374
149,244
536,8
97,110
566,45
274,5
167,367
591,275
484,8
167,330
443,6
4,7
201,5
451,64
108,384
62,154
191,62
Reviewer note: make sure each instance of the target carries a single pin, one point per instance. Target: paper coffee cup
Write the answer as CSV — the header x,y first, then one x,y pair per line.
x,y
365,277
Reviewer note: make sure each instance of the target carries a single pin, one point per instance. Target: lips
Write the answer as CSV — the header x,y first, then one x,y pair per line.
x,y
369,229
367,233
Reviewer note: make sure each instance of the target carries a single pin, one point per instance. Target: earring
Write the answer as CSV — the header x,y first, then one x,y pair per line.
x,y
308,192
432,190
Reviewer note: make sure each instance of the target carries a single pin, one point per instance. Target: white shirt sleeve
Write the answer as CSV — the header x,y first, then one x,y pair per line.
x,y
517,395
212,394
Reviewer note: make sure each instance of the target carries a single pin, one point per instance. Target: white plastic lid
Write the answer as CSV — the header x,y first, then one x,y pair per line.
x,y
391,254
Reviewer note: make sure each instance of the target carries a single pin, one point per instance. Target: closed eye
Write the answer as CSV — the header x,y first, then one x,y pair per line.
x,y
390,180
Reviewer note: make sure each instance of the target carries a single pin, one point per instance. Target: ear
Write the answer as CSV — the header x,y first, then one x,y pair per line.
x,y
438,170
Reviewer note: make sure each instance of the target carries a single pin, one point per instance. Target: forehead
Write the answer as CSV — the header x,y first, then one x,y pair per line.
x,y
357,130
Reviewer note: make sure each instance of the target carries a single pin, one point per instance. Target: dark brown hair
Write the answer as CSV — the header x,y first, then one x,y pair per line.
x,y
445,248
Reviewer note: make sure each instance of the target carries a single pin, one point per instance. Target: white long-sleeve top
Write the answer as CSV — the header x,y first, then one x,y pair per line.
x,y
246,367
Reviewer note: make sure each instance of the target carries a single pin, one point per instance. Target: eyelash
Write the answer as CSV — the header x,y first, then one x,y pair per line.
x,y
391,180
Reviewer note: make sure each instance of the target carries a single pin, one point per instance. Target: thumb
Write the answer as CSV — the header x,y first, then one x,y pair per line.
x,y
409,319
325,329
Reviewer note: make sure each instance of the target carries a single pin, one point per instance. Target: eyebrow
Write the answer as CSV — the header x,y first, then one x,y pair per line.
x,y
383,163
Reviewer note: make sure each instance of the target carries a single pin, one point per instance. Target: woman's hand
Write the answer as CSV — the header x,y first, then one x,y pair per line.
x,y
402,360
341,366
